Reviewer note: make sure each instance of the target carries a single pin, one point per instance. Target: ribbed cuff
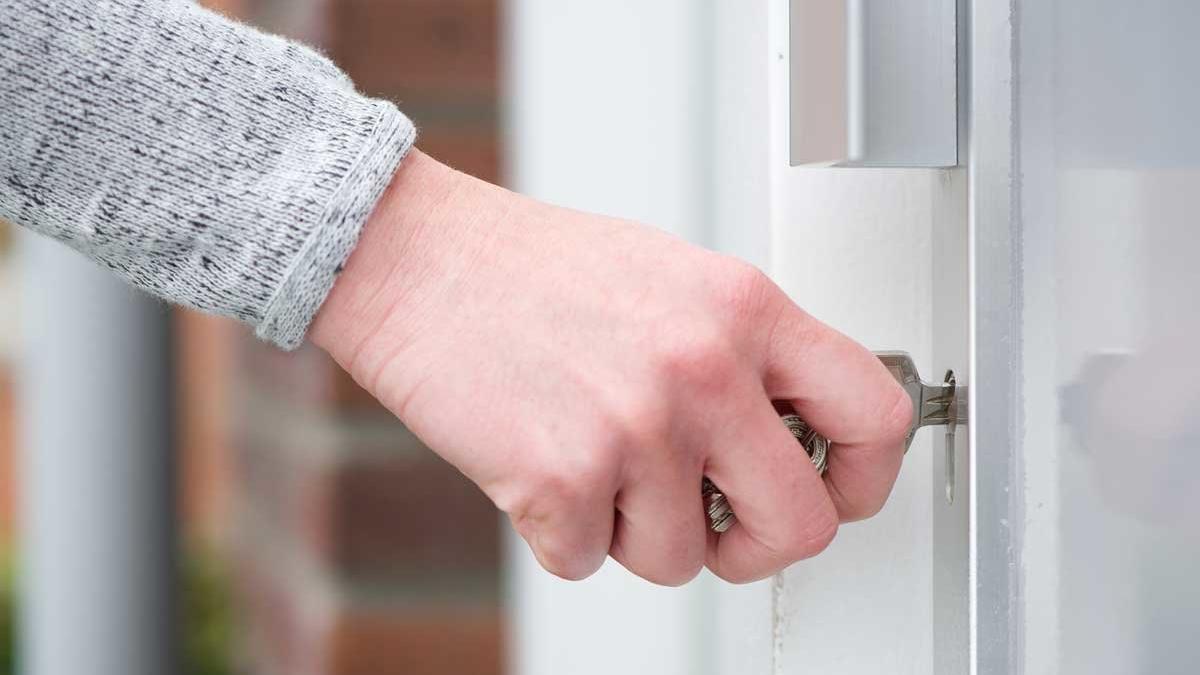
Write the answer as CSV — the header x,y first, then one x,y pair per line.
x,y
315,269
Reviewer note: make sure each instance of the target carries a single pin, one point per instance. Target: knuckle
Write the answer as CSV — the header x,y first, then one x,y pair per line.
x,y
565,566
564,482
703,360
739,575
564,563
671,571
745,288
674,578
557,475
820,537
679,570
723,571
726,575
589,472
861,510
689,570
543,490
748,299
642,421
570,559
814,537
516,501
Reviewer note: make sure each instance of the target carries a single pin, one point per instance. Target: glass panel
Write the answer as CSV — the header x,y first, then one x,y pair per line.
x,y
1108,145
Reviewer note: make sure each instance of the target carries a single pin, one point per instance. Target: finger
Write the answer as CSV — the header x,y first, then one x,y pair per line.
x,y
783,512
845,393
661,524
568,526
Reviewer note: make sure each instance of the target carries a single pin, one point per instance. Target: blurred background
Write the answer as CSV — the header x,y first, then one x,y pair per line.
x,y
167,464
292,514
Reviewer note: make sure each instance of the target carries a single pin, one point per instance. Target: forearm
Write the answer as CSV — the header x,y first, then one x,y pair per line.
x,y
205,162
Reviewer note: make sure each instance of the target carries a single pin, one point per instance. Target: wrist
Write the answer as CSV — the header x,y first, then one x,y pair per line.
x,y
388,275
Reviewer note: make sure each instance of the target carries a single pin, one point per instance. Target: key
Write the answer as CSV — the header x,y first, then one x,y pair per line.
x,y
943,404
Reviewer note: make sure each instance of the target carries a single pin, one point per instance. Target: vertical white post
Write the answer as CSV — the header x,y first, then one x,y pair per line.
x,y
96,516
609,111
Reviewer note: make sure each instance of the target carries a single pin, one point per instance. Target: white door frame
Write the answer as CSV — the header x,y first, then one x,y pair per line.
x,y
996,513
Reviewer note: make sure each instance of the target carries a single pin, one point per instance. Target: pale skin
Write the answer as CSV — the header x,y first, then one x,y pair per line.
x,y
586,372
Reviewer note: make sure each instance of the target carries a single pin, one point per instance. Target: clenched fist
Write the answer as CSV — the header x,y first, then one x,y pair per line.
x,y
587,372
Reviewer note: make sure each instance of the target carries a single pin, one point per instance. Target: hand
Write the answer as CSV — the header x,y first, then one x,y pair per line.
x,y
586,372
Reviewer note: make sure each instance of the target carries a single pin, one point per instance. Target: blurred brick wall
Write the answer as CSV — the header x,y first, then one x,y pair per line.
x,y
359,552
439,60
205,350
8,482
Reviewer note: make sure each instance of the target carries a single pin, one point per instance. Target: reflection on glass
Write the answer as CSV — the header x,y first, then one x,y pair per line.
x,y
1109,101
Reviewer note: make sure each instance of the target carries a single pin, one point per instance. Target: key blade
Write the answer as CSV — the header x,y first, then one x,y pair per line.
x,y
932,404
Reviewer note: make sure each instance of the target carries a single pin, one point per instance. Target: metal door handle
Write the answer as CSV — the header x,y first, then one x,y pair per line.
x,y
874,83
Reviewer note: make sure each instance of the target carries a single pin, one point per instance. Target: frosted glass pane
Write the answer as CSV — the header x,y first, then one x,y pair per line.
x,y
1109,197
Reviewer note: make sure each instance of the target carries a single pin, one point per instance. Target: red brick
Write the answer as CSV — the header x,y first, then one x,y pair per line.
x,y
5,236
8,484
269,490
403,516
232,8
307,376
474,149
377,517
277,634
352,630
204,355
437,641
445,49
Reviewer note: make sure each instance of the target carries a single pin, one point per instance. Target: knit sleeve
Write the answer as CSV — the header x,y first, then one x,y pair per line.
x,y
209,164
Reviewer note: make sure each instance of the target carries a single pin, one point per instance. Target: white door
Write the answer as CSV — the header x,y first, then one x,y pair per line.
x,y
880,253
1052,270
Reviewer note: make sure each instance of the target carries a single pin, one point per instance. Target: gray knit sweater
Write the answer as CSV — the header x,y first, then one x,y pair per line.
x,y
205,162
